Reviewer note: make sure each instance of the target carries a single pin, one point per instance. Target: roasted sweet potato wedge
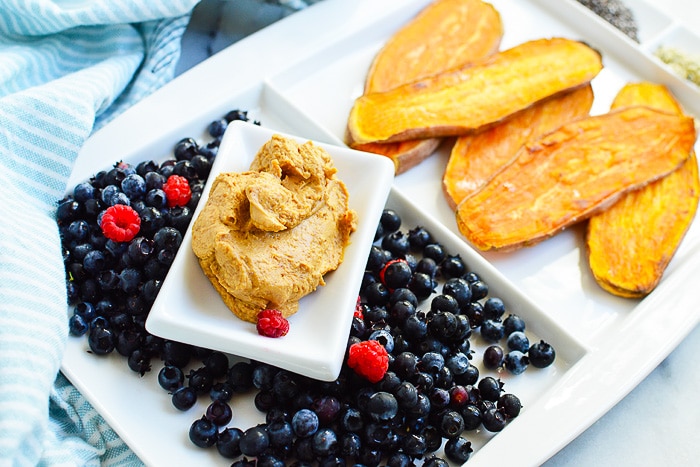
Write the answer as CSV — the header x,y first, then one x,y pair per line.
x,y
572,173
630,244
444,35
475,158
484,93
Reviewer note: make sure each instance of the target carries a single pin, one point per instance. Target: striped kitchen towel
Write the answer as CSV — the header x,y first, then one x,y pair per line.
x,y
66,69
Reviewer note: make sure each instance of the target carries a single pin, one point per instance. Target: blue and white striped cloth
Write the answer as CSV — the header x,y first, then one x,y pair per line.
x,y
66,69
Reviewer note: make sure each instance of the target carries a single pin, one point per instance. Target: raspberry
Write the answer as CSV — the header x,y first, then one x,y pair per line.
x,y
358,309
120,223
177,191
369,359
271,323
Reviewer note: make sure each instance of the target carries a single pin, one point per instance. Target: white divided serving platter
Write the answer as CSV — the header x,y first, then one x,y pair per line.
x,y
300,76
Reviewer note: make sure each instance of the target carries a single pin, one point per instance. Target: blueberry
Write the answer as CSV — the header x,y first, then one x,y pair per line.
x,y
154,180
170,377
435,251
156,198
140,249
176,353
458,288
382,406
493,357
349,445
515,362
254,441
419,237
107,193
376,259
327,408
384,337
228,442
200,380
490,388
541,354
451,424
396,274
305,422
184,398
216,363
236,115
492,331
493,420
479,289
475,313
377,294
403,294
458,449
471,416
101,340
139,361
78,230
144,167
219,413
452,266
390,220
351,420
94,261
185,149
134,186
67,210
400,311
518,341
432,362
83,192
221,391
325,442
513,323
422,285
427,266
185,169
510,405
458,363
203,433
413,445
86,310
494,308
280,433
396,243
443,302
77,326
217,127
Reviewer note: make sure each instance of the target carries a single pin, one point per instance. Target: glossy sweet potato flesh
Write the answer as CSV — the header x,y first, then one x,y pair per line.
x,y
630,244
476,158
444,35
572,173
466,99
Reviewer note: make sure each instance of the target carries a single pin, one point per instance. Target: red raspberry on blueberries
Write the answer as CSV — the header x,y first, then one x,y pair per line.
x,y
369,359
271,323
120,223
177,191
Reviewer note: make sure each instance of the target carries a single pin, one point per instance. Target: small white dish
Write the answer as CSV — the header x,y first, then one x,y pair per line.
x,y
188,308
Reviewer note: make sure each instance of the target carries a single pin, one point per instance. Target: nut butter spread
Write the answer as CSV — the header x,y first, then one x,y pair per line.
x,y
266,237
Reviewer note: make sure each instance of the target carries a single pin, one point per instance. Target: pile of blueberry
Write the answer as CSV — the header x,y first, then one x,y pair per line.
x,y
419,302
112,284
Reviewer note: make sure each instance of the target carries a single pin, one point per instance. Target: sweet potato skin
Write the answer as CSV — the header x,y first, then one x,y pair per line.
x,y
444,35
630,244
471,97
572,173
476,158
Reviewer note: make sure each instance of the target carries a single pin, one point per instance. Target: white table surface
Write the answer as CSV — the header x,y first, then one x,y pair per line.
x,y
658,423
